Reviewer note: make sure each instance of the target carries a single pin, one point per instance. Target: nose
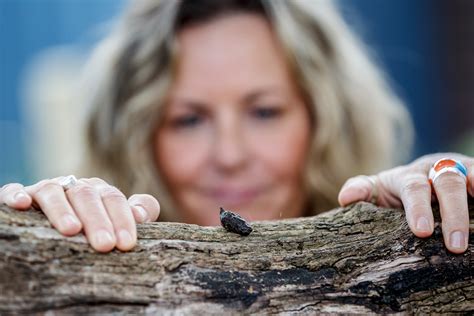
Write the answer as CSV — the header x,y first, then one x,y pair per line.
x,y
229,147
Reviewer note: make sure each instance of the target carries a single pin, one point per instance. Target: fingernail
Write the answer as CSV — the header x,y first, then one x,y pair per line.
x,y
125,239
104,238
142,213
423,225
20,196
457,240
69,222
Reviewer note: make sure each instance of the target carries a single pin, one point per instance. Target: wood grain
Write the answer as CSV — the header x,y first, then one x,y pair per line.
x,y
357,259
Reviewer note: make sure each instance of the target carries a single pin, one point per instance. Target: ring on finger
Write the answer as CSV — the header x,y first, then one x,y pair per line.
x,y
374,192
68,182
447,165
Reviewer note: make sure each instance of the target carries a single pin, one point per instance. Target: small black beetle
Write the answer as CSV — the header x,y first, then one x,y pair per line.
x,y
234,223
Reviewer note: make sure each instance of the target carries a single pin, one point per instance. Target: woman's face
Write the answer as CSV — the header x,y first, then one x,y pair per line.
x,y
235,131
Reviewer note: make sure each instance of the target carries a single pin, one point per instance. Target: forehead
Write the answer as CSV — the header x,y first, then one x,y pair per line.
x,y
231,49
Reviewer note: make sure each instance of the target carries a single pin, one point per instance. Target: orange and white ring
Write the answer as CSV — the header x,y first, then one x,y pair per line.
x,y
445,165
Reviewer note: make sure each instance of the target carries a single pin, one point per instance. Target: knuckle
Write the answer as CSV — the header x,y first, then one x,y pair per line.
x,y
3,191
415,184
111,192
10,186
96,180
84,190
9,190
41,183
47,188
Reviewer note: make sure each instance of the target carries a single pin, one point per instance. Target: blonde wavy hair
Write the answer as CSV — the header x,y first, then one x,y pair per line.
x,y
360,125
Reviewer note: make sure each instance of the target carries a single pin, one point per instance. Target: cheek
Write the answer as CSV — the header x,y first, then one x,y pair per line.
x,y
180,159
283,151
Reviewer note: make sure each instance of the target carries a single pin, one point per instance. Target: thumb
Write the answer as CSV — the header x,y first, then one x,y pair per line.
x,y
145,208
354,190
15,196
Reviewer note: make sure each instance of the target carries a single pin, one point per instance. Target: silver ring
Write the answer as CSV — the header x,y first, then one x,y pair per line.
x,y
374,192
68,182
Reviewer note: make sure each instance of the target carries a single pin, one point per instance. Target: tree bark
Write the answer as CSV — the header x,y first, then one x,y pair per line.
x,y
357,259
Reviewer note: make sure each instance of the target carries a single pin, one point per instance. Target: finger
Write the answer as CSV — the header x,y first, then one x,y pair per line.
x,y
15,196
415,194
87,203
52,200
470,179
452,196
121,216
355,189
119,212
145,207
32,189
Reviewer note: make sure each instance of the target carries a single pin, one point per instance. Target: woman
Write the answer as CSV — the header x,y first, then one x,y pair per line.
x,y
262,107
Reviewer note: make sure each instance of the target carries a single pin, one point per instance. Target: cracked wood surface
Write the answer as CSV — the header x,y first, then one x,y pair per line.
x,y
357,259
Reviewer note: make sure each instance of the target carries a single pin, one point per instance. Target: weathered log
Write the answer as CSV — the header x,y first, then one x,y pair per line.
x,y
354,259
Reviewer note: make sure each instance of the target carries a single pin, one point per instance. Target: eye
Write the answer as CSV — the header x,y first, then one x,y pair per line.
x,y
266,112
187,121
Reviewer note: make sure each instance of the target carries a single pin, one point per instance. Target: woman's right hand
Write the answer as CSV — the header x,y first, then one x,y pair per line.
x,y
100,209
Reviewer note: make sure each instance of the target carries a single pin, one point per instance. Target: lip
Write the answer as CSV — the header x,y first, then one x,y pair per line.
x,y
229,197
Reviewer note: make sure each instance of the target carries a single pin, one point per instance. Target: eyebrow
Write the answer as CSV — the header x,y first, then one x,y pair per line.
x,y
249,98
199,107
258,93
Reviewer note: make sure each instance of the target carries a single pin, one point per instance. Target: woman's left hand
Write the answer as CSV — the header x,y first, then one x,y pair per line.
x,y
409,186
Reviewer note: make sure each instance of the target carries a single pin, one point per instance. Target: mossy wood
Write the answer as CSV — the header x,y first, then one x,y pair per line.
x,y
355,259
